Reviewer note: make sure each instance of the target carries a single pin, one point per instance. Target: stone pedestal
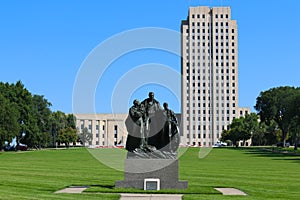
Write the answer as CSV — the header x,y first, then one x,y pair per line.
x,y
166,170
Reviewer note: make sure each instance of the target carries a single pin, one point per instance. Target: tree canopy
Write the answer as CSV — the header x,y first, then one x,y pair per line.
x,y
280,104
23,112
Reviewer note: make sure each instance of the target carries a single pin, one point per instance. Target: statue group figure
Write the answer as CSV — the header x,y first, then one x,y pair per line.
x,y
152,131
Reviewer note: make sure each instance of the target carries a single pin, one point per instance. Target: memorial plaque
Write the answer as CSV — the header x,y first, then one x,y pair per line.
x,y
151,184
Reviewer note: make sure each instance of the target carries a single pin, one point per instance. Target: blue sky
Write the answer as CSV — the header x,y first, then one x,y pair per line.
x,y
44,43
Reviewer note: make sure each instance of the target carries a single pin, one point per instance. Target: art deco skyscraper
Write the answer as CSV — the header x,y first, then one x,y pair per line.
x,y
209,70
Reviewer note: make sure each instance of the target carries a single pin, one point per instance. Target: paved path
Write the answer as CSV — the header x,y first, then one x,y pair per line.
x,y
231,191
73,190
151,196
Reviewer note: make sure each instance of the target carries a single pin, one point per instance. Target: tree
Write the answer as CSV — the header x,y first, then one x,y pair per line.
x,y
85,136
241,129
295,131
294,115
40,119
22,112
251,125
258,137
71,121
274,104
236,132
60,121
9,126
67,136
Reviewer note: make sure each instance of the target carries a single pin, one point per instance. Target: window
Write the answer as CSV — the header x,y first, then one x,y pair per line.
x,y
216,16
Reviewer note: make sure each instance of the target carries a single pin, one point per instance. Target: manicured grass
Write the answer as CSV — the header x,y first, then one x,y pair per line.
x,y
261,174
38,174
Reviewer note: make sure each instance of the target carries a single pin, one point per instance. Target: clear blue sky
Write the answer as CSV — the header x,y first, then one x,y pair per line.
x,y
44,43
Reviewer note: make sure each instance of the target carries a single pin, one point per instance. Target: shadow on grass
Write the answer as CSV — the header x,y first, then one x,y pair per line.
x,y
275,153
111,189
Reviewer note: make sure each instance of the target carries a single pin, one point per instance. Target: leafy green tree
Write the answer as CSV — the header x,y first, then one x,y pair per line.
x,y
67,136
9,126
258,137
295,131
251,125
71,121
60,121
23,112
274,104
85,137
41,110
40,122
241,129
236,132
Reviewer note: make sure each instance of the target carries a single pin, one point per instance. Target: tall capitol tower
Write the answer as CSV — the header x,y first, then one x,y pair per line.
x,y
209,67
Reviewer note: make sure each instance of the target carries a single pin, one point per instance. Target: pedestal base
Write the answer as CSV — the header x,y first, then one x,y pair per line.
x,y
166,170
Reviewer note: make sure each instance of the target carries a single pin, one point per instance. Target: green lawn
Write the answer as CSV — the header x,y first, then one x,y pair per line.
x,y
38,174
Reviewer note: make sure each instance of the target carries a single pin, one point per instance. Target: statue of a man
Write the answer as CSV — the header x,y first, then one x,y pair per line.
x,y
170,138
151,105
135,126
153,120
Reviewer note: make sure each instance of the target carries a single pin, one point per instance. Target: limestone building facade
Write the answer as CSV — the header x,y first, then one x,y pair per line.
x,y
209,68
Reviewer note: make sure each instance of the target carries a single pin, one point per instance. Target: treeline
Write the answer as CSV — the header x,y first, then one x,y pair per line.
x,y
28,117
277,119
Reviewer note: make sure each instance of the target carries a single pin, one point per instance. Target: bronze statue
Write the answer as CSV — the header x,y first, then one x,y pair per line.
x,y
152,131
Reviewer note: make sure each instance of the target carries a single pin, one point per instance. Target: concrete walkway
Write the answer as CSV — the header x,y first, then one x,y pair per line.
x,y
73,190
132,196
151,197
231,191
